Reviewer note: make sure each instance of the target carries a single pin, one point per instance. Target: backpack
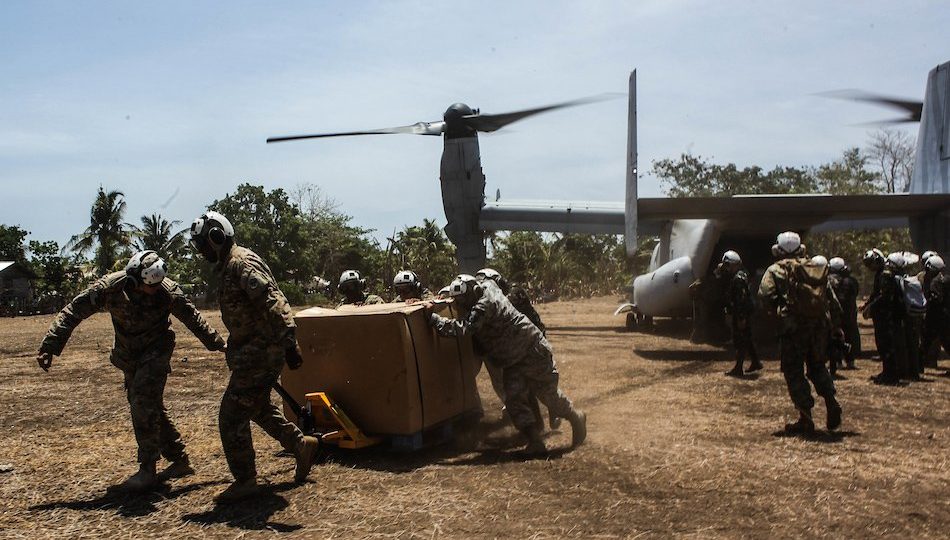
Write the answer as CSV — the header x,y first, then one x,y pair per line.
x,y
807,288
912,293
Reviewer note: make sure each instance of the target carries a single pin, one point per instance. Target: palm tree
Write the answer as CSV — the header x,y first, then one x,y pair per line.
x,y
106,231
156,234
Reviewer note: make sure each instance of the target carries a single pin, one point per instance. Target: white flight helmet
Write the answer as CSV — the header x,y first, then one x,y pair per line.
x,y
146,268
731,257
896,259
788,242
405,278
349,275
934,263
927,254
462,284
488,273
837,264
211,227
820,260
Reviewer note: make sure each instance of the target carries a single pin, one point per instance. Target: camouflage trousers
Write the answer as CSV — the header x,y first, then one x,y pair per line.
x,y
254,370
803,353
742,338
936,332
534,377
145,387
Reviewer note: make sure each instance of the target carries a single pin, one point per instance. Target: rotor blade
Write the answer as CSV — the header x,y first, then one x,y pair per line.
x,y
419,128
911,108
493,122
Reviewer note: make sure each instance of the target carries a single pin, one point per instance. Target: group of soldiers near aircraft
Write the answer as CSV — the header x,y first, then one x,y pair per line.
x,y
261,339
815,301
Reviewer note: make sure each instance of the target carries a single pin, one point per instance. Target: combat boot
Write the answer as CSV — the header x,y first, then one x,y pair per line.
x,y
805,425
833,421
736,371
756,365
179,468
143,480
239,489
305,453
535,444
578,420
553,420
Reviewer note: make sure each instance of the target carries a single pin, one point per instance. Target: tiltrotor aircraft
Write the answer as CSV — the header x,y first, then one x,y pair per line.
x,y
691,230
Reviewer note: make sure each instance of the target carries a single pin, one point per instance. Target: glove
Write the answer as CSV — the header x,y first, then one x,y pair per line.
x,y
293,357
45,360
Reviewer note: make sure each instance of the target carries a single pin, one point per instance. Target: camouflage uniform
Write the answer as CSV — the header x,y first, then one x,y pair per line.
x,y
522,302
516,345
368,299
261,329
424,294
886,306
803,341
846,291
740,305
936,331
144,342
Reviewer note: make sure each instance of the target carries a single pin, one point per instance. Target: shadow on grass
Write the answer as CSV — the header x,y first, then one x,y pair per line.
x,y
819,436
252,514
124,503
684,355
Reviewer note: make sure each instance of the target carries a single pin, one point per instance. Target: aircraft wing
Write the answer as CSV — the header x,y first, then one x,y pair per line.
x,y
755,212
742,212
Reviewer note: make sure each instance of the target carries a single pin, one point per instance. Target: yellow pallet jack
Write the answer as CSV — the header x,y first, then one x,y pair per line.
x,y
323,418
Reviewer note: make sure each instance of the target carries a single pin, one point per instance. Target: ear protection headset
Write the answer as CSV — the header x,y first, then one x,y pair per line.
x,y
213,228
146,267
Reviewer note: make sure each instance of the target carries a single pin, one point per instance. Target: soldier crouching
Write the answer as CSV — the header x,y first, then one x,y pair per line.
x,y
512,341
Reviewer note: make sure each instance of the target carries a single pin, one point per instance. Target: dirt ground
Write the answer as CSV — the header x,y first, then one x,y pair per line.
x,y
674,448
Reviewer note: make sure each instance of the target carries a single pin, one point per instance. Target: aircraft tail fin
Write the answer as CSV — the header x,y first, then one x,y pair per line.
x,y
932,163
630,202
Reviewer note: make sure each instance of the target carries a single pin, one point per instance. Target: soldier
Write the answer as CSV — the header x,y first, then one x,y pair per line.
x,y
518,347
740,305
352,286
907,323
409,289
936,332
261,338
846,291
798,291
880,308
140,300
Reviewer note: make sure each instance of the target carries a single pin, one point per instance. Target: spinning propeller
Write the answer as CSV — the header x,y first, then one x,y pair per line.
x,y
911,109
459,120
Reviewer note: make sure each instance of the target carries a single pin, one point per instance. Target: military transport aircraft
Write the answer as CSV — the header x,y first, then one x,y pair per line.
x,y
691,230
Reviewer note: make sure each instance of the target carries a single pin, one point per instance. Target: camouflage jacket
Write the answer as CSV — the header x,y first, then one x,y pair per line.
x,y
887,299
739,301
522,302
140,320
252,306
846,290
368,299
501,332
937,290
425,294
773,291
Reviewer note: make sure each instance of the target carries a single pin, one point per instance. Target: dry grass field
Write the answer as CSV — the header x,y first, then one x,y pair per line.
x,y
675,449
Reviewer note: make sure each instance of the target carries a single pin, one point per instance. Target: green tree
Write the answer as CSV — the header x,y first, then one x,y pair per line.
x,y
12,238
107,232
693,176
424,249
156,234
59,276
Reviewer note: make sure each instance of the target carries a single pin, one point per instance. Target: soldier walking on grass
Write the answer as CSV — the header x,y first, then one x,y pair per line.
x,y
140,301
517,345
261,339
740,305
846,291
798,291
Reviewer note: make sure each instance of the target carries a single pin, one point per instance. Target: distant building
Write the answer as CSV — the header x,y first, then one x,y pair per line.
x,y
16,287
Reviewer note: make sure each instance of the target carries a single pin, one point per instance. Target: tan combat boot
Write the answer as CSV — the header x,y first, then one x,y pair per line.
x,y
239,489
179,468
305,453
578,420
143,480
535,446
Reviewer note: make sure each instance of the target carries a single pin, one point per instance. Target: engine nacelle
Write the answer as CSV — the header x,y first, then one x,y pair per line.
x,y
665,291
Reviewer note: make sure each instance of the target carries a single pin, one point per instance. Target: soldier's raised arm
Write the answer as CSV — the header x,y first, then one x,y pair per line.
x,y
83,306
186,312
464,326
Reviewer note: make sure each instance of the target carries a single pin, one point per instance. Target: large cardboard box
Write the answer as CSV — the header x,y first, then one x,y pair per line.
x,y
384,364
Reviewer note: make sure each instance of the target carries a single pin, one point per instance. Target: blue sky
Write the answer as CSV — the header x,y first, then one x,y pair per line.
x,y
158,98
